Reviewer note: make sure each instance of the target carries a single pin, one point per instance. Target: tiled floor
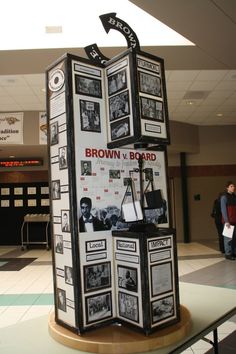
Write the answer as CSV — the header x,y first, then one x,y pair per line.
x,y
27,293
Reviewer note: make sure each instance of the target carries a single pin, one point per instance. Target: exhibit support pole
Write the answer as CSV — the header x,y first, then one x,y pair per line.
x,y
140,167
184,186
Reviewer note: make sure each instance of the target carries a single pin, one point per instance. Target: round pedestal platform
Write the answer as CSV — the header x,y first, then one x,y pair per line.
x,y
120,339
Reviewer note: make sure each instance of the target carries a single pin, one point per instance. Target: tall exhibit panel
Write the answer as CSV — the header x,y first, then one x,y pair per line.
x,y
83,170
137,102
147,290
63,225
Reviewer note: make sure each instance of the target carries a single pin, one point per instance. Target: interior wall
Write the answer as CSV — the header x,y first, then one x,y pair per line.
x,y
207,171
211,161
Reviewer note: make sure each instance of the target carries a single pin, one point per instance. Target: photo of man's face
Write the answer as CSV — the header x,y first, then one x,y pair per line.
x,y
85,210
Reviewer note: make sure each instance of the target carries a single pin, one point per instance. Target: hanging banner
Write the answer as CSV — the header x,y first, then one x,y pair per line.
x,y
11,128
42,128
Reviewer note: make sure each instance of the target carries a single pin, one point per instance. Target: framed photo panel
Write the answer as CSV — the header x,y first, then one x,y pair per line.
x,y
88,86
150,84
151,109
98,307
117,82
161,278
90,116
162,309
128,306
97,276
119,106
120,129
127,278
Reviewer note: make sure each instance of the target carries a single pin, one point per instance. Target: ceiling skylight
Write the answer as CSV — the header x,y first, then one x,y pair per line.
x,y
23,25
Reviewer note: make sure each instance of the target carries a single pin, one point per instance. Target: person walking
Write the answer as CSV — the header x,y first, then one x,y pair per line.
x,y
228,210
217,216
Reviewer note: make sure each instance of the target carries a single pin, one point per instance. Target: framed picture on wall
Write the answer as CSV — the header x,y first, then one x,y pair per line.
x,y
18,191
31,190
32,202
18,203
5,203
5,191
44,190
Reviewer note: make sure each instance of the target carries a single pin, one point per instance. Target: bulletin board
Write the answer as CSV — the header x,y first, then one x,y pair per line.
x,y
17,200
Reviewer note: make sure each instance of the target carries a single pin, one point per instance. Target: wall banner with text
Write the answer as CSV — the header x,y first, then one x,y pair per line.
x,y
11,128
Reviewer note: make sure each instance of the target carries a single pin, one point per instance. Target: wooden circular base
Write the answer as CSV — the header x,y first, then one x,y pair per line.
x,y
119,339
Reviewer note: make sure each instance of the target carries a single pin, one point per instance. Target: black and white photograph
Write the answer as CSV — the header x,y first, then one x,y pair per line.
x,y
63,158
59,244
56,189
90,116
86,168
61,299
65,221
114,174
162,309
119,106
128,306
88,221
88,86
97,276
98,307
127,278
152,109
161,278
68,275
117,82
120,129
54,136
150,84
148,172
157,216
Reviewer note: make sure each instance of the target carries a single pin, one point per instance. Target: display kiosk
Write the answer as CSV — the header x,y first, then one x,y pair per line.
x,y
102,120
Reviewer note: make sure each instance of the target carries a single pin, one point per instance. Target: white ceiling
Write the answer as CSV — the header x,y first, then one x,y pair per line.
x,y
194,96
204,74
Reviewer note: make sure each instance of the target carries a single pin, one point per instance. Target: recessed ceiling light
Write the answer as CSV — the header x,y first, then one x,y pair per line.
x,y
11,156
53,29
219,114
189,103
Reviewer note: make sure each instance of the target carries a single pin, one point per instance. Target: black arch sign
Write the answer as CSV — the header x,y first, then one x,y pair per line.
x,y
110,21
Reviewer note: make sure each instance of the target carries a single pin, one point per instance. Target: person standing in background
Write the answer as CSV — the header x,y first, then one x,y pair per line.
x,y
217,216
228,210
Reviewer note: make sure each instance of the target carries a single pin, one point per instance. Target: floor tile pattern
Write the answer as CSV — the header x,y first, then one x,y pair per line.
x,y
27,292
